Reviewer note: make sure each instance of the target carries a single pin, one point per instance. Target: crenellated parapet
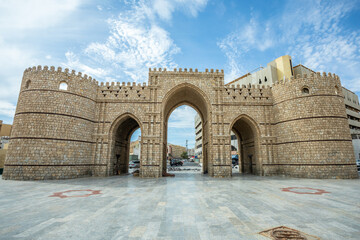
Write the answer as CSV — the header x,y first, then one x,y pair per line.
x,y
51,78
157,76
302,86
248,93
129,91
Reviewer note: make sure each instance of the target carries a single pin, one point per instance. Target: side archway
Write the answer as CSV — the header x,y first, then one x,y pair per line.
x,y
248,134
120,133
187,94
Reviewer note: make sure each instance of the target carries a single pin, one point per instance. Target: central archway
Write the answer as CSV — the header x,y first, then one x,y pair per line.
x,y
186,94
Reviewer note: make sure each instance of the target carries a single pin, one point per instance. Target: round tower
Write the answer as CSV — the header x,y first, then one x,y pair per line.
x,y
53,126
313,137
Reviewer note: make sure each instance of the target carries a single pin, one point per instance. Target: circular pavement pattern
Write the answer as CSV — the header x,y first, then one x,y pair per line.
x,y
304,190
74,193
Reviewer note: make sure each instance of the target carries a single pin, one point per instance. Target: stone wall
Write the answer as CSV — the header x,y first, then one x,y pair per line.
x,y
85,130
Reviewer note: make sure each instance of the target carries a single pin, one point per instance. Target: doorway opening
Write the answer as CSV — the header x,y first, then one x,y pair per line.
x,y
123,153
180,156
193,98
245,146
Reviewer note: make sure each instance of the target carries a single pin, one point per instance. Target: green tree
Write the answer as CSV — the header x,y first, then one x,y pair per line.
x,y
184,155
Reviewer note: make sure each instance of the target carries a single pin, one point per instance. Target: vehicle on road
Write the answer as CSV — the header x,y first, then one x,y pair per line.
x,y
134,164
358,164
176,162
235,160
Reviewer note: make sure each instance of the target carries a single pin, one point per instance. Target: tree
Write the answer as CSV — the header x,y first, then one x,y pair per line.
x,y
184,155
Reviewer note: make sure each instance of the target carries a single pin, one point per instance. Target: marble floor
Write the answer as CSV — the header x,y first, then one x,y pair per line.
x,y
187,206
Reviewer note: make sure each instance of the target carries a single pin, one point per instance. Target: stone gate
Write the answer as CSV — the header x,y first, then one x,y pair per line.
x,y
68,125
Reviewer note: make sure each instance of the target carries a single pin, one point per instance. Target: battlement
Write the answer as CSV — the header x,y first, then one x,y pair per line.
x,y
46,69
325,78
246,93
185,70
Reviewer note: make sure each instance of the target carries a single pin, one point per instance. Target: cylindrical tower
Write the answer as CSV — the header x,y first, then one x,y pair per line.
x,y
313,137
52,135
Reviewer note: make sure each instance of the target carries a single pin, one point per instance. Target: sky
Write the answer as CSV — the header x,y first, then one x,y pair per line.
x,y
119,40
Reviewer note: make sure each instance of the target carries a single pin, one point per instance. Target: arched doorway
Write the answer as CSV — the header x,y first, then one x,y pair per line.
x,y
186,94
120,134
247,134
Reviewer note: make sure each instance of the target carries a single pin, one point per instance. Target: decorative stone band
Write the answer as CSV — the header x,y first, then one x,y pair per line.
x,y
58,114
320,140
55,165
66,92
315,95
296,119
55,139
308,164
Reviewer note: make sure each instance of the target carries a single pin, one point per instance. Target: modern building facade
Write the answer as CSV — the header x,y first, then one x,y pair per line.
x,y
68,125
198,136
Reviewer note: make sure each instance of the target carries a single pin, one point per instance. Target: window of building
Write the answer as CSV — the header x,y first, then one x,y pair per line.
x,y
305,90
265,79
259,81
63,86
27,85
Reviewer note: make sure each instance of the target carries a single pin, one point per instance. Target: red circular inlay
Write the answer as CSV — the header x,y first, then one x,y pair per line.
x,y
63,194
310,190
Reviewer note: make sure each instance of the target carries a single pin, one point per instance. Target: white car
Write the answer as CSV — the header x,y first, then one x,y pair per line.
x,y
358,164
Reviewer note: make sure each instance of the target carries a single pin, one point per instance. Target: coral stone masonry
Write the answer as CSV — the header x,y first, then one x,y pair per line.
x,y
67,125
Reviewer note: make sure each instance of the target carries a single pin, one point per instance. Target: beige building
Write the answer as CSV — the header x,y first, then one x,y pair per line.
x,y
68,125
5,129
175,151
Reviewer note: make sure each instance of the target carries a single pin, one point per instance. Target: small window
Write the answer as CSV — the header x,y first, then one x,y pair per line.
x,y
63,86
336,90
265,79
27,85
305,90
259,81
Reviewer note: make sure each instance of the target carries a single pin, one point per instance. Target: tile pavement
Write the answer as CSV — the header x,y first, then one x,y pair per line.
x,y
188,206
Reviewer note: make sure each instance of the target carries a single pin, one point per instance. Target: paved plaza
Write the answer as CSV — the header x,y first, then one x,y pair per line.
x,y
187,206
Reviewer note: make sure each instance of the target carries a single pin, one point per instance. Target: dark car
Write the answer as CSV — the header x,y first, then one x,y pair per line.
x,y
235,160
176,162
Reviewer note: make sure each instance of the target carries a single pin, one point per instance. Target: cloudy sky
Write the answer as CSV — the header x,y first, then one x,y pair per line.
x,y
119,40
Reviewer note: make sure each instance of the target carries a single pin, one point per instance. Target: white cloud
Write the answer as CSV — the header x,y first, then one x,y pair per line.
x,y
74,63
237,44
136,40
25,14
182,117
7,109
20,22
165,8
310,31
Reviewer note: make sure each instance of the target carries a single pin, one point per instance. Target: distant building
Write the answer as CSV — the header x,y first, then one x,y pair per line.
x,y
135,147
276,70
175,151
198,136
5,129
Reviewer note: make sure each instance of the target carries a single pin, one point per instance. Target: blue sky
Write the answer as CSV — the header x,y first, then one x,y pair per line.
x,y
119,40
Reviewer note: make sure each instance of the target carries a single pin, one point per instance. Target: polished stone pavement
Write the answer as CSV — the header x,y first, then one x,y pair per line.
x,y
188,206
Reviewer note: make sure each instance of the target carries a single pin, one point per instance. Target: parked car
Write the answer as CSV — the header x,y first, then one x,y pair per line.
x,y
358,164
134,164
235,160
176,162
